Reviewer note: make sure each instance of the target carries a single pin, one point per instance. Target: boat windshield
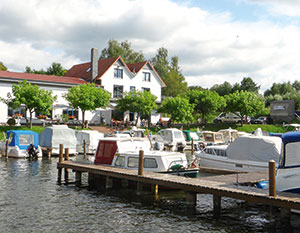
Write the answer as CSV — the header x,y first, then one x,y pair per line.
x,y
177,134
133,162
194,135
26,139
292,156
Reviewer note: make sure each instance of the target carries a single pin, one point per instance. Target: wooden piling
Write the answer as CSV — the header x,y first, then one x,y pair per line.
x,y
6,149
84,149
272,178
61,155
192,147
78,178
285,215
66,169
141,163
108,182
217,206
191,198
154,189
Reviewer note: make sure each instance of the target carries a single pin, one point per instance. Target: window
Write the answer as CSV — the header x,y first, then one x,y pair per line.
x,y
145,89
146,76
118,91
133,162
120,161
118,73
150,163
132,88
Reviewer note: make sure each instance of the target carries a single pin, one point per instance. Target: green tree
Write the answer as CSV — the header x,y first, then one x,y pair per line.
x,y
161,63
87,97
122,49
206,102
247,84
34,98
280,89
2,66
56,69
175,84
244,103
222,89
143,103
178,108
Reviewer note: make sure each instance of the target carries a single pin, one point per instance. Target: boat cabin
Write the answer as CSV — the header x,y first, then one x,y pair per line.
x,y
213,138
22,138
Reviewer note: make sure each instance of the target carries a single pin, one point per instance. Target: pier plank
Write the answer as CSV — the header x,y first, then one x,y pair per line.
x,y
224,185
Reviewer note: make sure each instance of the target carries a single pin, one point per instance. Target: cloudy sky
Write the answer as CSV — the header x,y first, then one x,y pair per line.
x,y
215,40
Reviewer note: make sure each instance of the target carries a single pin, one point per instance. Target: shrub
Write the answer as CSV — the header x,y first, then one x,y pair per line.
x,y
11,121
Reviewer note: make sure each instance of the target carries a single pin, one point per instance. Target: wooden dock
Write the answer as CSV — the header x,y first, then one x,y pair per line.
x,y
218,186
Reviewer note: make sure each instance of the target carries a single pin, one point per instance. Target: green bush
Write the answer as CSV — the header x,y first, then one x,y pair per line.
x,y
11,121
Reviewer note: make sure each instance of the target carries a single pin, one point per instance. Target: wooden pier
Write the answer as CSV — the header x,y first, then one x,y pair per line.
x,y
218,186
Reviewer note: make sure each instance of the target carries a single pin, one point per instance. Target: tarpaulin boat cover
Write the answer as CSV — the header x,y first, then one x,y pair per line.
x,y
255,148
52,136
91,138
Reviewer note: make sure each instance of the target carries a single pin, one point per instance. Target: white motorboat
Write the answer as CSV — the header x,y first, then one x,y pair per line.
x,y
124,153
91,138
19,142
245,153
288,172
172,138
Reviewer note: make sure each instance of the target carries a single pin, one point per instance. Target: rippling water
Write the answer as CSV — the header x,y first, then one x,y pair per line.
x,y
31,201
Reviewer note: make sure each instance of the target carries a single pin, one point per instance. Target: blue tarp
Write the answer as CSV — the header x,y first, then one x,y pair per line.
x,y
291,137
23,138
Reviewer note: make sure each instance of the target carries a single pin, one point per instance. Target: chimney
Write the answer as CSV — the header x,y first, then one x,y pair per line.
x,y
94,64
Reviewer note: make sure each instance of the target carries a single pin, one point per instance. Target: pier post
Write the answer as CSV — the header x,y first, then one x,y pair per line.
x,y
217,206
108,182
191,198
61,154
192,152
141,163
285,215
84,149
49,150
154,189
6,149
272,178
66,169
124,183
78,178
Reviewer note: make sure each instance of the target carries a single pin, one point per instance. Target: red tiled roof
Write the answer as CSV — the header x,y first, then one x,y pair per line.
x,y
80,70
136,67
41,77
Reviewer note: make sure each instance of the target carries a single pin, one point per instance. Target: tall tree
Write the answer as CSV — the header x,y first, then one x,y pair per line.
x,y
175,85
244,103
143,103
179,109
2,66
222,89
122,49
161,63
34,98
87,97
247,84
206,102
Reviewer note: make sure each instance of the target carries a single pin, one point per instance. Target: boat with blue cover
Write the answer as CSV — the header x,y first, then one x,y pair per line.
x,y
288,172
18,143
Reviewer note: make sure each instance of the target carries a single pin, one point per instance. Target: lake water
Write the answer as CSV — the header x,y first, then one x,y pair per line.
x,y
31,201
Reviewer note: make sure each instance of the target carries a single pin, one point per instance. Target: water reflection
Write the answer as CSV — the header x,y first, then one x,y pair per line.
x,y
31,201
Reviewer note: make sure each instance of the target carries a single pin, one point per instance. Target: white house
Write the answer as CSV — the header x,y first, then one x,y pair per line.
x,y
112,74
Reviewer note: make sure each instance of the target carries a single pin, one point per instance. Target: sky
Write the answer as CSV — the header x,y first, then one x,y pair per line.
x,y
215,40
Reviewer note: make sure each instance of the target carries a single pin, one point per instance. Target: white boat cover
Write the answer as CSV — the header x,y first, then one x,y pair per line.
x,y
91,138
52,136
255,148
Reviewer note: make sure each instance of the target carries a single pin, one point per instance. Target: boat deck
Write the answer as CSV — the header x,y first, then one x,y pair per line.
x,y
221,185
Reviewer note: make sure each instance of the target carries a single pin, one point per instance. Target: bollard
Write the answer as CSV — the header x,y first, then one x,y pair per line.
x,y
272,178
84,149
66,169
141,163
6,149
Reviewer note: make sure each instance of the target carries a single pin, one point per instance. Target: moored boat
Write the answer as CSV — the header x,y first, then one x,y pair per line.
x,y
124,153
288,172
18,143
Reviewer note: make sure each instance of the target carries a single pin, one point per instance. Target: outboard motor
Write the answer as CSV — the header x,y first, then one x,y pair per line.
x,y
32,151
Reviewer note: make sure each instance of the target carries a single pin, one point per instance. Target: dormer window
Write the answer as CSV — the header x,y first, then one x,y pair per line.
x,y
146,76
118,73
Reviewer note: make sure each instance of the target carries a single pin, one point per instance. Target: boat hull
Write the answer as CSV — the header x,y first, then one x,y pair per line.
x,y
288,180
